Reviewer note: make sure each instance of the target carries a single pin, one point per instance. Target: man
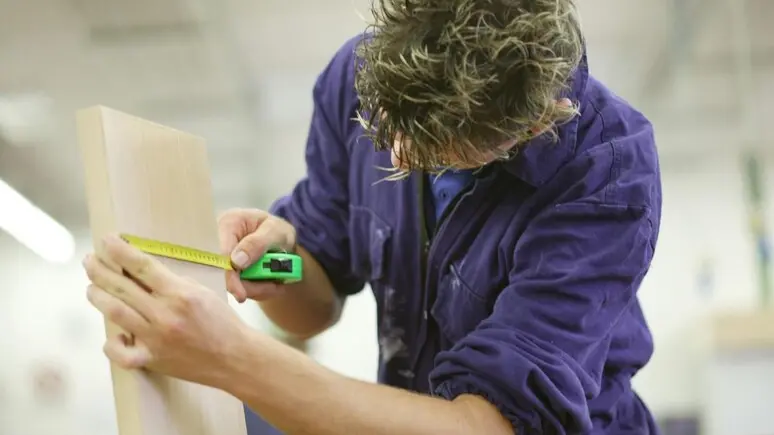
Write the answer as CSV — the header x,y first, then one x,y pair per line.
x,y
505,250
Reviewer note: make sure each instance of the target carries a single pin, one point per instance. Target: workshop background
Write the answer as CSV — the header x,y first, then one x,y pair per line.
x,y
239,73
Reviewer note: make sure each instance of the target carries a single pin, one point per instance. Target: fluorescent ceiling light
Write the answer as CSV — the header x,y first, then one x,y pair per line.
x,y
34,228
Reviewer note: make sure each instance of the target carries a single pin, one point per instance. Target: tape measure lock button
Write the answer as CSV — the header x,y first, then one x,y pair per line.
x,y
275,266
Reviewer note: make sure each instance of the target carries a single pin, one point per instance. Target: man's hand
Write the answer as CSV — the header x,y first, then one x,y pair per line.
x,y
245,235
302,309
175,326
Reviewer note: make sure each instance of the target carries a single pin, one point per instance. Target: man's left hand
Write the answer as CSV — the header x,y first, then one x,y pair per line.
x,y
174,325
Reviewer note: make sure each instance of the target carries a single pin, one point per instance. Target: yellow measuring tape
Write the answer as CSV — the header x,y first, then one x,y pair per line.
x,y
178,252
272,266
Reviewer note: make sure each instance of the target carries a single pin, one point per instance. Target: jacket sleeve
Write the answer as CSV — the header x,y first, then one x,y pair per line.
x,y
318,206
540,355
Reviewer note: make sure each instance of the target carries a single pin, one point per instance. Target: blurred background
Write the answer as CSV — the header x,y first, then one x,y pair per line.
x,y
239,73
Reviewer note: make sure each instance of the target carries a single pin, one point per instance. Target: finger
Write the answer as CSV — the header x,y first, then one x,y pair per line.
x,y
126,356
140,266
264,291
118,285
259,291
116,311
273,233
235,286
237,223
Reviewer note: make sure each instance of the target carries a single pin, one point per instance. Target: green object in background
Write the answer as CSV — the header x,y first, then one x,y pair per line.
x,y
758,225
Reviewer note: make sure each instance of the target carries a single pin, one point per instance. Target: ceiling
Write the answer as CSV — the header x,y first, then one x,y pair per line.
x,y
239,73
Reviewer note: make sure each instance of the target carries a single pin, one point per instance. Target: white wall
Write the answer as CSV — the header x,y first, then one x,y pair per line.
x,y
704,221
45,316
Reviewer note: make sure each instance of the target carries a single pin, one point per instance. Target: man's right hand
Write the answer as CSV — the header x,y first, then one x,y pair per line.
x,y
245,236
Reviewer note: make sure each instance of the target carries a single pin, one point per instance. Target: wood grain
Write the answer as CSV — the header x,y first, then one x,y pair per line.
x,y
153,181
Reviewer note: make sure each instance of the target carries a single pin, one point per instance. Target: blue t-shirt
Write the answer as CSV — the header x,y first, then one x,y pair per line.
x,y
441,191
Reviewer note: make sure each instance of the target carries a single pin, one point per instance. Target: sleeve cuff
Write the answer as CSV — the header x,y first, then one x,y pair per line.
x,y
468,384
537,395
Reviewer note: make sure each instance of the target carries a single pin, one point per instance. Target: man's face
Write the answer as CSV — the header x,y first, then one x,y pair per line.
x,y
454,161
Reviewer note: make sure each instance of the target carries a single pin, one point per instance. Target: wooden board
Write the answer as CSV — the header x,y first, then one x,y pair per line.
x,y
152,181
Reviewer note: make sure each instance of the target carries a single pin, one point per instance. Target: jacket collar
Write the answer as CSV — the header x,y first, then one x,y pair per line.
x,y
541,158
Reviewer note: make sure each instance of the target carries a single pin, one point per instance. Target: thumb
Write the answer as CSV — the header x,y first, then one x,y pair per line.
x,y
271,234
235,224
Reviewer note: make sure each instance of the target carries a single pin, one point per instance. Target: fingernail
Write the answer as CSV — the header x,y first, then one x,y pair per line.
x,y
240,259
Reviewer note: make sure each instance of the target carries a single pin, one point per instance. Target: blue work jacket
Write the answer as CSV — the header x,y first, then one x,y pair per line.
x,y
525,293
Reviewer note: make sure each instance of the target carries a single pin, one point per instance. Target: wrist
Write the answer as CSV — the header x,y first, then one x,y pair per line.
x,y
240,362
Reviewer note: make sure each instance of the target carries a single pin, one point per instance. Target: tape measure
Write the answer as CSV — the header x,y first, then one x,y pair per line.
x,y
273,266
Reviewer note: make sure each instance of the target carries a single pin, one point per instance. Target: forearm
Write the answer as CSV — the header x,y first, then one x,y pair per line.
x,y
300,397
308,307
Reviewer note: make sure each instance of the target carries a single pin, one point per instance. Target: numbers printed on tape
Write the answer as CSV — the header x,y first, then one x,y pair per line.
x,y
178,252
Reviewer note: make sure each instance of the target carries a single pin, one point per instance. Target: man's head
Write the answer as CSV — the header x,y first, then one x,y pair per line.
x,y
461,82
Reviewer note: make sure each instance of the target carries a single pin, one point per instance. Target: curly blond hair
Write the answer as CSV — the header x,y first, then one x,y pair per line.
x,y
460,77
